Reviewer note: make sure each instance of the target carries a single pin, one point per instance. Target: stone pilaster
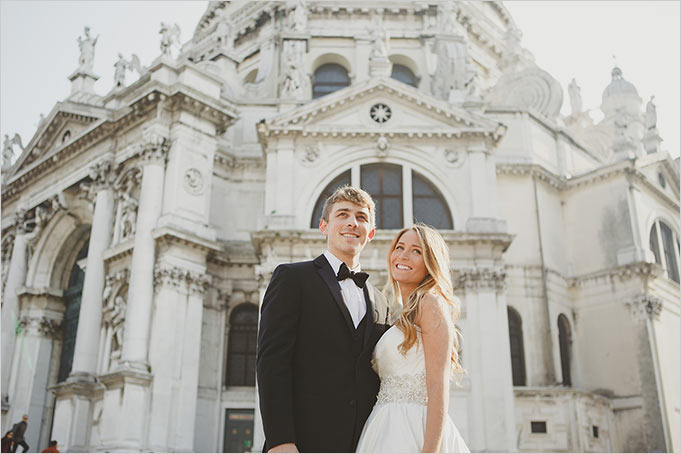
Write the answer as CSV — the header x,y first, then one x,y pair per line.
x,y
487,359
38,325
644,310
174,353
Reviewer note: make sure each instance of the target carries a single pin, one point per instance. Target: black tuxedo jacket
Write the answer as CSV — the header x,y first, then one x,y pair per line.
x,y
316,388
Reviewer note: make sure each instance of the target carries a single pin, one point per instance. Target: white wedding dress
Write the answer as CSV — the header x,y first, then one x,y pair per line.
x,y
397,423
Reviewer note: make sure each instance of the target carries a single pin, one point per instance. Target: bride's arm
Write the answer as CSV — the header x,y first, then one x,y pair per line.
x,y
437,335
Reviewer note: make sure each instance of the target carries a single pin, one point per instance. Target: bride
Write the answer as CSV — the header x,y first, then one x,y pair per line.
x,y
417,356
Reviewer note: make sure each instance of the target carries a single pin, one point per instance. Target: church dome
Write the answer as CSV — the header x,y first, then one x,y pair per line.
x,y
620,94
619,85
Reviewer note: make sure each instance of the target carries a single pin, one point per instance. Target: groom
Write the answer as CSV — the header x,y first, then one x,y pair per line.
x,y
319,324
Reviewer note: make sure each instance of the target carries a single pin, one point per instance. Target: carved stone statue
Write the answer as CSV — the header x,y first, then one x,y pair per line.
x,y
294,78
170,35
128,216
7,153
87,51
380,41
575,97
119,72
651,114
299,22
223,32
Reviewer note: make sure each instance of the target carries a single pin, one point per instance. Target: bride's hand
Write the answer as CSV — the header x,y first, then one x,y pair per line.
x,y
286,447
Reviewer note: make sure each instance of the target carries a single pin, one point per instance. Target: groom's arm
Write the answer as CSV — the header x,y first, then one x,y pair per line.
x,y
276,344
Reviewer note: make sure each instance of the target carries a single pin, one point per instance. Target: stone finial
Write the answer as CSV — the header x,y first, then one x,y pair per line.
x,y
575,93
651,114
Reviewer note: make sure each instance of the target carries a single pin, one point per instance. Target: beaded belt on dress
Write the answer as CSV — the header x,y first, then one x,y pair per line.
x,y
403,389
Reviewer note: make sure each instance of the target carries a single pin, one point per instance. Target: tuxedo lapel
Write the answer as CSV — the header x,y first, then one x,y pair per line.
x,y
325,270
369,315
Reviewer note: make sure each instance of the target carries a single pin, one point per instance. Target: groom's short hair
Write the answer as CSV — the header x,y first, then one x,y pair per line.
x,y
350,194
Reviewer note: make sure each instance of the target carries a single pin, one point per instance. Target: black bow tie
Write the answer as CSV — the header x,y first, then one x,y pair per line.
x,y
345,273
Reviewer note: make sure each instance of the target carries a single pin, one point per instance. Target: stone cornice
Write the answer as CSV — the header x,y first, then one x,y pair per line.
x,y
179,95
173,235
535,392
624,168
342,99
125,375
383,237
623,273
71,388
118,251
534,170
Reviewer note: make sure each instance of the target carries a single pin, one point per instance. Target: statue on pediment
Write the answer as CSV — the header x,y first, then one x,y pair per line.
x,y
7,153
294,81
380,41
87,51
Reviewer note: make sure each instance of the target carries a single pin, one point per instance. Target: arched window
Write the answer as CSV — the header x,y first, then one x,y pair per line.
x,y
72,297
329,78
668,255
403,74
340,180
565,342
385,183
429,205
515,333
241,347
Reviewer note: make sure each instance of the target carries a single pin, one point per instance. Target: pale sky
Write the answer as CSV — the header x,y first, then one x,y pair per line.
x,y
39,50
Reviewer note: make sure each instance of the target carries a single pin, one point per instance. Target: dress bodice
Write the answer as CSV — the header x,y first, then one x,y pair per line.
x,y
403,377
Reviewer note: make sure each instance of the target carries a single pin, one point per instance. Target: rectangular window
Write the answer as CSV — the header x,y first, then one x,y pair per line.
x,y
594,431
538,427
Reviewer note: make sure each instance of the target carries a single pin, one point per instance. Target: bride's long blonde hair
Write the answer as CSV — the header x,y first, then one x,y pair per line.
x,y
437,282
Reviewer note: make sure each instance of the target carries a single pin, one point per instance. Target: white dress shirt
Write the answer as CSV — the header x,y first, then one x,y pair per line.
x,y
352,295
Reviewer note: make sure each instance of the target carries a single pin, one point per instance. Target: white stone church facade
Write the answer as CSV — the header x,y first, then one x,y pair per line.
x,y
140,228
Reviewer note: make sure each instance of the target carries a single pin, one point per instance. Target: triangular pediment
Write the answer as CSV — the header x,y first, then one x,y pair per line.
x,y
661,165
65,123
410,112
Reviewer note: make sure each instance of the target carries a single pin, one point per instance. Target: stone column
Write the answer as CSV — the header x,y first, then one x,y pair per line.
x,y
90,316
484,213
174,353
10,307
141,290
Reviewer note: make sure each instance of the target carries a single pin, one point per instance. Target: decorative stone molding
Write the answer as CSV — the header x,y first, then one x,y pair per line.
x,y
481,278
154,148
39,326
194,181
455,158
626,272
179,278
642,307
103,174
197,283
309,154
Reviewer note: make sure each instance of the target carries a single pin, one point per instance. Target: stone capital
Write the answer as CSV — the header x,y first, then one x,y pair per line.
x,y
179,278
642,307
488,278
154,148
40,326
102,175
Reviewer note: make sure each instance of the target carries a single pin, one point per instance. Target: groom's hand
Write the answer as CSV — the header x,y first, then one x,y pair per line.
x,y
286,447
